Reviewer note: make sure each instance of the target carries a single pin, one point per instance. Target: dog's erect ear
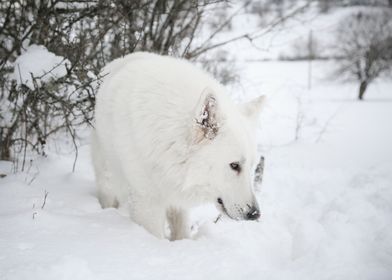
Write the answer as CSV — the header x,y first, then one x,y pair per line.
x,y
206,121
252,109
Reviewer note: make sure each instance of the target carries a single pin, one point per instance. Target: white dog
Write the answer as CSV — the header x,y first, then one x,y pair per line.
x,y
168,138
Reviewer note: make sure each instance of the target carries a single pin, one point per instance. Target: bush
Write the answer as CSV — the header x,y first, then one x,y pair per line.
x,y
88,34
364,44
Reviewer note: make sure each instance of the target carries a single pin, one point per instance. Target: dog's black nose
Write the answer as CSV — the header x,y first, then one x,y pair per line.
x,y
253,214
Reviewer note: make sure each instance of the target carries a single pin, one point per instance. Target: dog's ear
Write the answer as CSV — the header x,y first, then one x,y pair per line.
x,y
253,108
206,120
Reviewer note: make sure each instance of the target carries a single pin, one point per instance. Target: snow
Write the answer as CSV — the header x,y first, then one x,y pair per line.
x,y
326,195
326,200
38,62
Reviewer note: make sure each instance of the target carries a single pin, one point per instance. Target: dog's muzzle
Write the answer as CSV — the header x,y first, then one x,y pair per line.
x,y
252,214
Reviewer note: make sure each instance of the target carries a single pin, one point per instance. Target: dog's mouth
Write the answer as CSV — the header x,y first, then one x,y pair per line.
x,y
223,208
253,213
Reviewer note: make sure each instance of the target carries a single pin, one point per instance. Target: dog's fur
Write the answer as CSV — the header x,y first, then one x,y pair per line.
x,y
166,134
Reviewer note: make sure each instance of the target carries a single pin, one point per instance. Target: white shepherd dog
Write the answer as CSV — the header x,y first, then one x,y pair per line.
x,y
167,139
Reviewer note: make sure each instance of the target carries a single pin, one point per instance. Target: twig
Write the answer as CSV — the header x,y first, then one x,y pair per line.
x,y
35,212
326,124
35,175
46,195
249,36
25,123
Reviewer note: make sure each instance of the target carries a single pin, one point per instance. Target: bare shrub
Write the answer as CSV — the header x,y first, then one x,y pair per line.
x,y
364,45
223,67
88,34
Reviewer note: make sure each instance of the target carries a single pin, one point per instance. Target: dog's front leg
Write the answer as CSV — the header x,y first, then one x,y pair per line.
x,y
178,223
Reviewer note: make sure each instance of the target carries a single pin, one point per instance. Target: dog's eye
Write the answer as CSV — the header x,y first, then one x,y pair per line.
x,y
235,166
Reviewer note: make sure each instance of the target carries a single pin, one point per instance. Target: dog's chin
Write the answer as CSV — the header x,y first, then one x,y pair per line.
x,y
221,206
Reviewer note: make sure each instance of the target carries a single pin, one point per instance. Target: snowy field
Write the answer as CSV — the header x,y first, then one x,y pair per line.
x,y
326,199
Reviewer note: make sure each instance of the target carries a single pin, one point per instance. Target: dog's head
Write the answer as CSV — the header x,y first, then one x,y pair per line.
x,y
223,155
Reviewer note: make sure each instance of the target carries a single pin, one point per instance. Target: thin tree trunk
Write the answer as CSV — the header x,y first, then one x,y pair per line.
x,y
362,89
5,146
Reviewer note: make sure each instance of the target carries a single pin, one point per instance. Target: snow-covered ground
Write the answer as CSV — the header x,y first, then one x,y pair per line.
x,y
326,199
